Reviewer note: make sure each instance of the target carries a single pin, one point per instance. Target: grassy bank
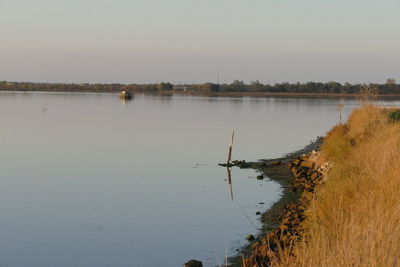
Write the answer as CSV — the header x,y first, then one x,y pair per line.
x,y
354,218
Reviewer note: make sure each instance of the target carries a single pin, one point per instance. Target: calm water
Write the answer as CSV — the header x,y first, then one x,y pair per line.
x,y
87,180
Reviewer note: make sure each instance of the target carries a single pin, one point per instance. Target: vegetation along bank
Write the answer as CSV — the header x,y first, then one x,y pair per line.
x,y
342,205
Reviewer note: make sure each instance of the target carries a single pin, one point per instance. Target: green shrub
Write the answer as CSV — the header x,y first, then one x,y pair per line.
x,y
394,116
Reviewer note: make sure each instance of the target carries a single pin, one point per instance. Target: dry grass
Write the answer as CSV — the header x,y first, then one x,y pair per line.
x,y
355,217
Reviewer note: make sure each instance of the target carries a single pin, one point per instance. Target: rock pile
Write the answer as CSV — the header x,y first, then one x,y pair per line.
x,y
308,173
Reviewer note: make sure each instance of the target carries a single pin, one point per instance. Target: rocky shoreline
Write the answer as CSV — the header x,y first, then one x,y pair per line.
x,y
299,174
308,174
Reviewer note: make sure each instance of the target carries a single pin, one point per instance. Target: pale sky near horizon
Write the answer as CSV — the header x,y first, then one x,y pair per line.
x,y
185,41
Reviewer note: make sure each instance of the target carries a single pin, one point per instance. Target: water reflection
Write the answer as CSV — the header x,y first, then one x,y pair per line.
x,y
230,182
88,197
125,101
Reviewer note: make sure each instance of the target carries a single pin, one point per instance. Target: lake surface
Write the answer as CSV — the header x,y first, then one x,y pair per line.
x,y
89,180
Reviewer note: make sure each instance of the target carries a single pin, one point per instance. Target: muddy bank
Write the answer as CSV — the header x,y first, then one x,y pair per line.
x,y
298,174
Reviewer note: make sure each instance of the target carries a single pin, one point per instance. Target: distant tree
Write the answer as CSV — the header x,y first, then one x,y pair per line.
x,y
334,88
390,87
281,87
256,86
165,86
149,87
208,88
390,81
238,86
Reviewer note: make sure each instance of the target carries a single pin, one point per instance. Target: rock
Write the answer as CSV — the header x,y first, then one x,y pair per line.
x,y
243,165
260,177
308,164
250,237
314,175
258,213
193,263
226,164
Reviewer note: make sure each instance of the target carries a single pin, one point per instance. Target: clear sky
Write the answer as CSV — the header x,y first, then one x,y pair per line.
x,y
136,41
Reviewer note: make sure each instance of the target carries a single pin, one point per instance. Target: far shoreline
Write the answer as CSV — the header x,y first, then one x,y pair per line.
x,y
216,94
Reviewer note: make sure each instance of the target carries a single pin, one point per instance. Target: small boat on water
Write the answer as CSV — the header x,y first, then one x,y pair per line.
x,y
125,95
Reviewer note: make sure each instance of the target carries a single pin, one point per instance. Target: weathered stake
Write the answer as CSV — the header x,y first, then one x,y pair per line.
x,y
339,108
230,147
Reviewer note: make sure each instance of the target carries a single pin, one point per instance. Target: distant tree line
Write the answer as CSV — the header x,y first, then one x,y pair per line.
x,y
390,87
83,87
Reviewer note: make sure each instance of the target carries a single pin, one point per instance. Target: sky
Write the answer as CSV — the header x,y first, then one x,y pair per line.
x,y
195,41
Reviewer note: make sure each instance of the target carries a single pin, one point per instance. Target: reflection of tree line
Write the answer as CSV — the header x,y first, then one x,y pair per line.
x,y
390,87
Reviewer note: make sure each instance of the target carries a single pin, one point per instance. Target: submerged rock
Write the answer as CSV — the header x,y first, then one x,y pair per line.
x,y
193,263
250,237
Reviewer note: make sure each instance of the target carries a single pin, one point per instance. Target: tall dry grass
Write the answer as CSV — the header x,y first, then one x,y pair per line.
x,y
354,219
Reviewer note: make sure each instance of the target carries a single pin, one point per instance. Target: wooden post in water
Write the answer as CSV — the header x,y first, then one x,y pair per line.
x,y
339,108
230,148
